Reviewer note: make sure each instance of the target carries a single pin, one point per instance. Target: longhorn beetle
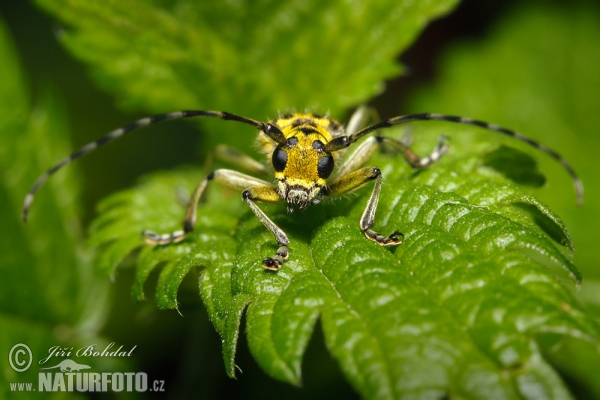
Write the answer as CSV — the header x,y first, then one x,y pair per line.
x,y
303,149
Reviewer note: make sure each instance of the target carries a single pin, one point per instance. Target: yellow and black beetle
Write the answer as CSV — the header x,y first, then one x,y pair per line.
x,y
303,149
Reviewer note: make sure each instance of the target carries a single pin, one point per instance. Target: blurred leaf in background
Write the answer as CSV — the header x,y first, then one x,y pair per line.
x,y
252,60
51,294
537,71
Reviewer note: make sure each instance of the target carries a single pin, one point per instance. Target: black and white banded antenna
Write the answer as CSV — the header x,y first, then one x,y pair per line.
x,y
271,130
276,135
577,183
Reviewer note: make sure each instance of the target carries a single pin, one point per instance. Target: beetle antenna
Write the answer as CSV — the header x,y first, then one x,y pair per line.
x,y
578,185
271,130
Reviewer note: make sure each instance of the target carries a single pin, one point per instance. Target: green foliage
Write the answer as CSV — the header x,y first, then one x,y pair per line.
x,y
249,59
177,45
49,296
536,72
124,215
469,306
454,309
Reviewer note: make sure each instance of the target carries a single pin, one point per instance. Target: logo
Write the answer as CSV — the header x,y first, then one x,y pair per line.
x,y
20,357
69,375
69,366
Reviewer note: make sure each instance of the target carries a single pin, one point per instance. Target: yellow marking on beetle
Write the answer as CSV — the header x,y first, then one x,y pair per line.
x,y
302,149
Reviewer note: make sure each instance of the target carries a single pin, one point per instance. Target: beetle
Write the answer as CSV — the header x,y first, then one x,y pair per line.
x,y
303,149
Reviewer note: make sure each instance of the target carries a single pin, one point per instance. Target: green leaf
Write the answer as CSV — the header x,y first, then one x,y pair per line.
x,y
249,58
515,165
536,72
125,215
49,294
456,308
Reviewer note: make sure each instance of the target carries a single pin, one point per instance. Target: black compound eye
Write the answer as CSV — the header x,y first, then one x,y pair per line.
x,y
279,159
325,166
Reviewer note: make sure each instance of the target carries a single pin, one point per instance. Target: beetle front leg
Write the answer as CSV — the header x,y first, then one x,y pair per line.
x,y
368,218
356,180
268,193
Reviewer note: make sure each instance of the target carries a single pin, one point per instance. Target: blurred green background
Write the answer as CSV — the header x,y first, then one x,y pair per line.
x,y
533,68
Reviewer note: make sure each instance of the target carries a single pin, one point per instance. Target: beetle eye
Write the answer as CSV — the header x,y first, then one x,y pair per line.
x,y
279,159
325,166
